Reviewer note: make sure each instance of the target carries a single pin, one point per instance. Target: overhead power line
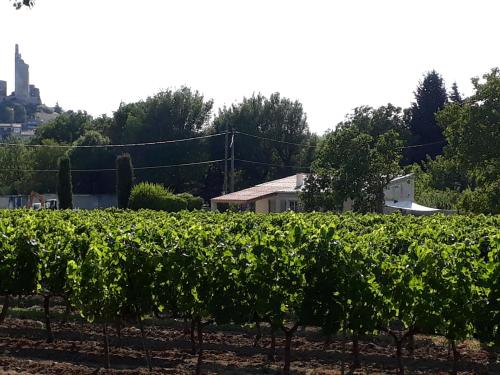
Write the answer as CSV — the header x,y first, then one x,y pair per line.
x,y
114,145
274,140
423,144
271,164
314,146
183,140
114,169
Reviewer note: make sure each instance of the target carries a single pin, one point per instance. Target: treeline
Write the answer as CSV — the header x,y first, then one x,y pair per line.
x,y
169,115
357,274
452,144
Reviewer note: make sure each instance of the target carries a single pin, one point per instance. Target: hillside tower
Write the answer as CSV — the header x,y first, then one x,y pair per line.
x,y
22,82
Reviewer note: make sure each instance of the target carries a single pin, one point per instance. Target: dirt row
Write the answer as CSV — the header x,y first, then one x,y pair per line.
x,y
78,349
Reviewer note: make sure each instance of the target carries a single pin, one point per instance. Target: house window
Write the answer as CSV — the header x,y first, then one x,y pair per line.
x,y
282,205
294,205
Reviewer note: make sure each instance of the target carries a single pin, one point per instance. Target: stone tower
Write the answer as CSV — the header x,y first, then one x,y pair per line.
x,y
22,78
3,90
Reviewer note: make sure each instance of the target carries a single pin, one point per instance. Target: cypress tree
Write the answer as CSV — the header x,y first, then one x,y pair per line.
x,y
64,186
455,96
124,179
430,98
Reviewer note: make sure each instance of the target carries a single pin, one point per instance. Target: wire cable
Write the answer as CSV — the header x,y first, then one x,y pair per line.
x,y
274,140
114,169
423,144
115,145
315,146
271,164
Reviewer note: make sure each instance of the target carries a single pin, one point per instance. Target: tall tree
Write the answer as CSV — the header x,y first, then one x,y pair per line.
x,y
95,181
473,134
66,128
274,118
430,98
455,96
64,186
356,161
169,115
124,179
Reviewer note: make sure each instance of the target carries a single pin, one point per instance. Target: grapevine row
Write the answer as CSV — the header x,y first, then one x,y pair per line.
x,y
361,274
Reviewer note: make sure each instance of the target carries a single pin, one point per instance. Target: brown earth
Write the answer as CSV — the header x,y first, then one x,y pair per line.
x,y
78,349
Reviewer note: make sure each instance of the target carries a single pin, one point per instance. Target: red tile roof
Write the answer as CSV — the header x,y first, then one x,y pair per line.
x,y
283,185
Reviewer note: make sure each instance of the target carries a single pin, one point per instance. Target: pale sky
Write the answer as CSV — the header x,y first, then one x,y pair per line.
x,y
330,55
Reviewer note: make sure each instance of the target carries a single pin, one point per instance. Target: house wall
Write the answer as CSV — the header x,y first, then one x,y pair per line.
x,y
262,206
400,190
86,202
284,202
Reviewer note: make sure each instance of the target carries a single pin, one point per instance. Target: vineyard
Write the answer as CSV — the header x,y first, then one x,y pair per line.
x,y
344,275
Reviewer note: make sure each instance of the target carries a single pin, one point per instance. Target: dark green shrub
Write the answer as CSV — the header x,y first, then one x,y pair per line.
x,y
64,186
155,197
192,202
174,203
124,179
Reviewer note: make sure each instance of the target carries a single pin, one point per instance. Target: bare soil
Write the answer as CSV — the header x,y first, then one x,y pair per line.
x,y
78,349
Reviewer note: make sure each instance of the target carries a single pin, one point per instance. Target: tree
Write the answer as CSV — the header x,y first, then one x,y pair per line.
x,y
64,186
89,154
473,136
259,117
16,160
45,158
430,98
20,114
124,179
169,115
356,161
66,128
455,96
6,113
58,108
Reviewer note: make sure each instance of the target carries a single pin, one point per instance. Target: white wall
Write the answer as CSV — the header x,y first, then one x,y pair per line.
x,y
262,206
400,190
86,202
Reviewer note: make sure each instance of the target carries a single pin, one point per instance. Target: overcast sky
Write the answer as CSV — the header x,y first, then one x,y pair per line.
x,y
330,55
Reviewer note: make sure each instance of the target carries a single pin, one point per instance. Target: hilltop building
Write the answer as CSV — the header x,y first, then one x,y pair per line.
x,y
24,92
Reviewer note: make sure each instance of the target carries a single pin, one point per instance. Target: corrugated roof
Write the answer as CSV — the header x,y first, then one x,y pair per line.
x,y
410,206
282,185
399,178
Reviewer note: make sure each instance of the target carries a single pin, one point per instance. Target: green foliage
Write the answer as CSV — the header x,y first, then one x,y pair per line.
x,y
485,199
430,98
356,161
124,179
455,96
6,113
192,202
93,182
17,159
168,115
466,177
20,115
275,117
155,197
64,185
366,273
66,128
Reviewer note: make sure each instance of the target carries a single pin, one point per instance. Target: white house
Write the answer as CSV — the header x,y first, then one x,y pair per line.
x,y
283,195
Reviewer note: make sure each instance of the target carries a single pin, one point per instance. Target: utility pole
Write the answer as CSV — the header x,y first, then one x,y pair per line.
x,y
226,152
232,160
